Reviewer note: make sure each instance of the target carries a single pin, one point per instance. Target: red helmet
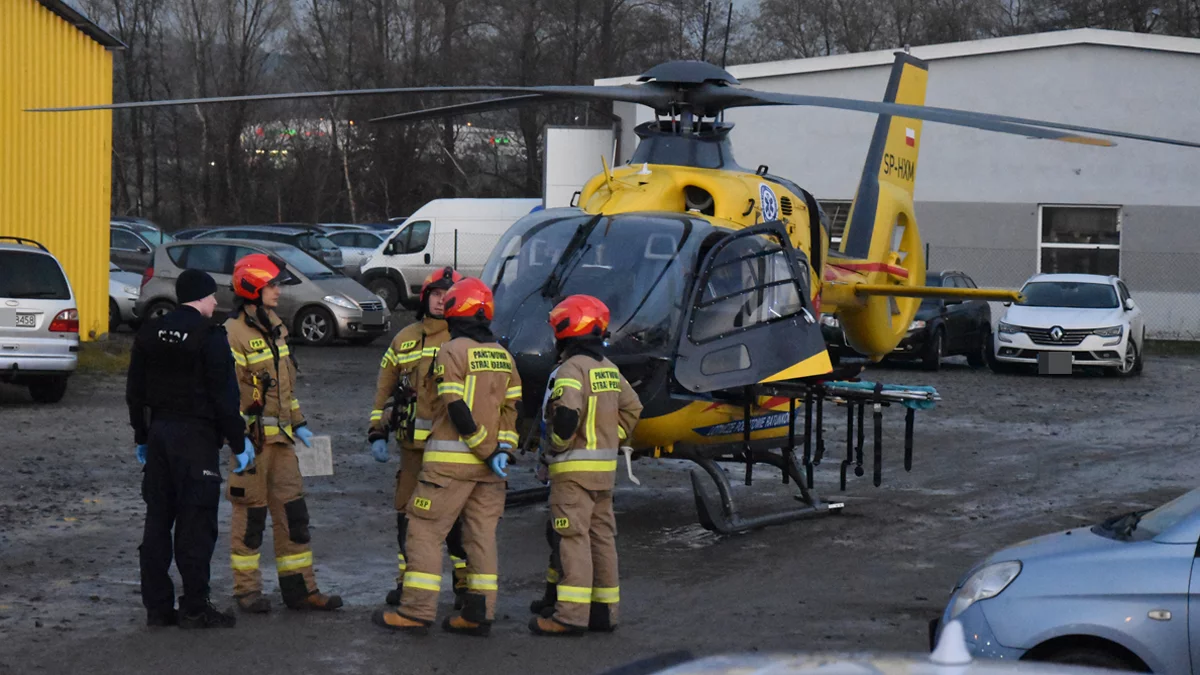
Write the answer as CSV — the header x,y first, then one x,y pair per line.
x,y
578,316
443,279
254,272
469,298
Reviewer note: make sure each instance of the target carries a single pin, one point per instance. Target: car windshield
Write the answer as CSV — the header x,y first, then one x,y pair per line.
x,y
1159,520
936,282
305,264
1073,294
156,238
29,276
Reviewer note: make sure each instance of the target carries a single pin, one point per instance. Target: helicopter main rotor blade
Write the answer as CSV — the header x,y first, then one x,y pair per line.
x,y
651,94
724,98
468,108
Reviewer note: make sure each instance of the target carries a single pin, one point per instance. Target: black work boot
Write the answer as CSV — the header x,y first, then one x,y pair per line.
x,y
208,617
599,619
393,596
254,603
158,618
544,606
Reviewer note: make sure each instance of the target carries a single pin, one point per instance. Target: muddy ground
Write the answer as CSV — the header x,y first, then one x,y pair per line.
x,y
1001,458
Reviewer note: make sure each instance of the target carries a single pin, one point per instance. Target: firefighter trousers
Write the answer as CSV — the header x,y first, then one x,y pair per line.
x,y
437,503
406,483
181,485
583,534
274,488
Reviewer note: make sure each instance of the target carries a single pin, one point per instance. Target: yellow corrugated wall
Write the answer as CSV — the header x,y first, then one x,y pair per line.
x,y
55,181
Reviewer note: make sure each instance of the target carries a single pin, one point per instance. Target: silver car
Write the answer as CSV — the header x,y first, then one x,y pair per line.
x,y
39,321
318,305
1119,594
357,245
123,291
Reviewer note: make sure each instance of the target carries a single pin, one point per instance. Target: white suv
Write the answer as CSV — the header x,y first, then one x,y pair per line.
x,y
1091,317
39,322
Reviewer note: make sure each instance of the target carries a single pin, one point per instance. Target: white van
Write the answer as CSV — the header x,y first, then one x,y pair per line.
x,y
456,232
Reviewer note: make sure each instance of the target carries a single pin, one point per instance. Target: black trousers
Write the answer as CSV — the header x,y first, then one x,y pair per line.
x,y
181,485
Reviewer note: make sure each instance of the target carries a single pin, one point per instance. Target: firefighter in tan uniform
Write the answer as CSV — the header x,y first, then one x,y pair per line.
x,y
474,430
266,378
406,376
590,411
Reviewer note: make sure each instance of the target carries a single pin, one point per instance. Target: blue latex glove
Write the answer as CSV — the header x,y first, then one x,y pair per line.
x,y
245,458
305,435
498,463
141,453
380,450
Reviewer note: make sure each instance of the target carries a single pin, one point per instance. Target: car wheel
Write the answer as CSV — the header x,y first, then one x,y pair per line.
x,y
934,350
160,308
1129,365
114,316
48,389
978,358
387,290
315,326
1093,657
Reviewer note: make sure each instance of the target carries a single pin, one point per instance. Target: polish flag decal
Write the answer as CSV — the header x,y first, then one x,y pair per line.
x,y
910,137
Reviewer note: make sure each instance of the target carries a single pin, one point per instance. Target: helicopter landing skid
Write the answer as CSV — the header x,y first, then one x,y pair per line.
x,y
724,517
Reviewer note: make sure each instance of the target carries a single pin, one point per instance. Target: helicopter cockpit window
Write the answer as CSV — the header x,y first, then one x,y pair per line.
x,y
749,283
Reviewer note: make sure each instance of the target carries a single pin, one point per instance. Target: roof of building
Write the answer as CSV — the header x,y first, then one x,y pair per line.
x,y
951,50
75,16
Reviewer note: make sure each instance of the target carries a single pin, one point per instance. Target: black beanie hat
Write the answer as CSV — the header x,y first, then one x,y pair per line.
x,y
194,285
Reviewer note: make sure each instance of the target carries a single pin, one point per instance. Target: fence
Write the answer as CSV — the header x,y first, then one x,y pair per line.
x,y
1168,296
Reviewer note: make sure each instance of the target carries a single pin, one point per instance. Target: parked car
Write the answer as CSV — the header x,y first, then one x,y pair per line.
x,y
427,241
123,291
1118,594
357,246
318,305
39,321
132,245
305,238
1091,317
190,233
941,327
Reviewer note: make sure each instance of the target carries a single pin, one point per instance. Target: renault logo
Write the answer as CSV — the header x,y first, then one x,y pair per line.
x,y
1056,333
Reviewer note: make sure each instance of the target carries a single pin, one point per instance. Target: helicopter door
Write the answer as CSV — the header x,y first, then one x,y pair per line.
x,y
750,317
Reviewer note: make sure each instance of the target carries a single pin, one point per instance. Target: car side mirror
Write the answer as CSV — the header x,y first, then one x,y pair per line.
x,y
1128,304
143,249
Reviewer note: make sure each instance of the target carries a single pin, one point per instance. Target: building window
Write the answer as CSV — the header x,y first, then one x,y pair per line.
x,y
836,211
1079,240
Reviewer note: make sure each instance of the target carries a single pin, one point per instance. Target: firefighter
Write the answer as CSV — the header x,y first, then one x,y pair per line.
x,y
463,472
181,377
590,411
406,375
266,376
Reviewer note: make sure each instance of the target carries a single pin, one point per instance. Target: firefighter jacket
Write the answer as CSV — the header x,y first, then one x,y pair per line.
x,y
411,354
479,378
266,374
591,410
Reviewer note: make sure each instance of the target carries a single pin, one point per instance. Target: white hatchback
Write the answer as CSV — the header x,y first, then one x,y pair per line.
x,y
1089,317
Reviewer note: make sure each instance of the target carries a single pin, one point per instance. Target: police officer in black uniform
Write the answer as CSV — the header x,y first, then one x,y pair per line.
x,y
183,404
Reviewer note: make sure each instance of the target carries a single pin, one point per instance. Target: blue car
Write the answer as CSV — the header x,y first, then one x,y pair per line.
x,y
1122,594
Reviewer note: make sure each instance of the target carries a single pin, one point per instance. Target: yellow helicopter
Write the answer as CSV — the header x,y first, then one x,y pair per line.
x,y
717,275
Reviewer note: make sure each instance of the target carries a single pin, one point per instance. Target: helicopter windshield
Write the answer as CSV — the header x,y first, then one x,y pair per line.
x,y
630,262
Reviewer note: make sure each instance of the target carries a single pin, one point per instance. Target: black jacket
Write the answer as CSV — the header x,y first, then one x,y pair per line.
x,y
181,367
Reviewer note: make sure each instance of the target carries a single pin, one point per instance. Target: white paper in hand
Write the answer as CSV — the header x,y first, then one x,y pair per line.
x,y
317,460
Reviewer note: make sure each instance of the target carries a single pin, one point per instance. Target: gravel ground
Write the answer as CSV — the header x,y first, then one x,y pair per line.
x,y
1001,458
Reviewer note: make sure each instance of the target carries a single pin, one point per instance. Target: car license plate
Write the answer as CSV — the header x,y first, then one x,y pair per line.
x,y
1055,363
26,320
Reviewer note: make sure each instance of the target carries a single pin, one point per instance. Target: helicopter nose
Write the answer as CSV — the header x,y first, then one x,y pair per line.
x,y
531,342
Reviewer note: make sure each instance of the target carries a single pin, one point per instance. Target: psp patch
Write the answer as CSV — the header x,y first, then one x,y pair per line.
x,y
258,343
405,346
561,523
422,503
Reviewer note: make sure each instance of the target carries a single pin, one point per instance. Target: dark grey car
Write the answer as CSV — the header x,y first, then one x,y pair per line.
x,y
318,305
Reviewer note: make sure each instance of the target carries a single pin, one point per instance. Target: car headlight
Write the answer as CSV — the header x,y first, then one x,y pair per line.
x,y
340,301
1111,331
1007,328
916,325
985,583
132,290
